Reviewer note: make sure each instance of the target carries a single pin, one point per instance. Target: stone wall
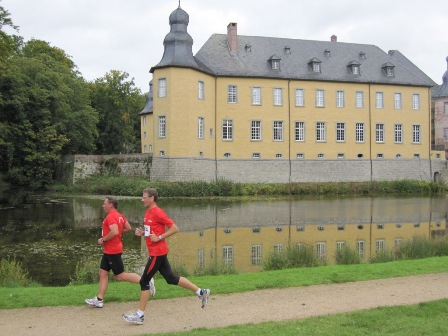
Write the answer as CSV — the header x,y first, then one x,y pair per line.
x,y
254,171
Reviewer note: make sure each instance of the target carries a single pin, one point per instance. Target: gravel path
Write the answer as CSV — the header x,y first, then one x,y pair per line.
x,y
225,310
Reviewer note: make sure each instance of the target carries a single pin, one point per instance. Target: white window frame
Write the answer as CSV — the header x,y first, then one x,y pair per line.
x,y
278,96
339,98
255,130
232,94
359,132
379,133
320,131
397,101
162,92
227,255
398,133
320,98
416,134
256,95
361,248
379,100
340,132
201,127
201,257
359,99
144,120
316,67
380,245
321,250
201,90
416,101
278,130
255,254
300,97
227,129
162,127
299,131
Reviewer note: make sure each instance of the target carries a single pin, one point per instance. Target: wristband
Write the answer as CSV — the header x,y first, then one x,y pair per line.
x,y
160,237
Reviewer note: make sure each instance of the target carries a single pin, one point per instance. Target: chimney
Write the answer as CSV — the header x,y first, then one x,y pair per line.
x,y
231,37
334,38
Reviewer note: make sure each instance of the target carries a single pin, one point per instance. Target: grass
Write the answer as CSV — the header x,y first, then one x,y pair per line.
x,y
223,284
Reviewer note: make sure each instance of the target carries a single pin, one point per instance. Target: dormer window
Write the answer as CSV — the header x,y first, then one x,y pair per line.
x,y
362,55
354,67
315,65
388,69
274,61
248,48
327,53
287,50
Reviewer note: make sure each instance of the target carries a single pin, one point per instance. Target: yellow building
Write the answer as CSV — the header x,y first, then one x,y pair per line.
x,y
263,109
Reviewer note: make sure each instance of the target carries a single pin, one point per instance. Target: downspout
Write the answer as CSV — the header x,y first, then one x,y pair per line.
x,y
370,135
290,133
431,174
216,128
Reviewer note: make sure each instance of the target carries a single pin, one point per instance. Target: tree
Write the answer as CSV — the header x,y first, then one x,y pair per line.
x,y
8,43
46,113
117,101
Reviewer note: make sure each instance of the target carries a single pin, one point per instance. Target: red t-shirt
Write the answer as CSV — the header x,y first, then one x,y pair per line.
x,y
114,245
157,220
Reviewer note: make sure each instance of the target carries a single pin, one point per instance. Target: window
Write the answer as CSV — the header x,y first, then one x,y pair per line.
x,y
278,248
144,120
201,128
278,155
144,135
256,155
445,134
320,155
340,132
300,97
316,67
340,245
416,101
359,101
162,153
341,155
227,155
320,99
300,156
380,156
162,87
397,101
379,133
321,250
416,134
255,130
278,96
255,255
278,130
201,90
227,129
275,64
201,257
379,245
256,95
320,131
361,248
339,98
162,126
379,100
359,132
398,133
299,131
445,106
144,149
355,69
227,255
232,94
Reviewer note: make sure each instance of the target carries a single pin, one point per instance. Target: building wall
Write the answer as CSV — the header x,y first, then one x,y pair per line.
x,y
441,123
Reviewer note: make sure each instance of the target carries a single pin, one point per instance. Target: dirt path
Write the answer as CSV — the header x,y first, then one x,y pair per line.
x,y
225,310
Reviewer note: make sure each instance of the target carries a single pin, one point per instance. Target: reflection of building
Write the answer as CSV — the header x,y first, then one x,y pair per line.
x,y
263,109
244,233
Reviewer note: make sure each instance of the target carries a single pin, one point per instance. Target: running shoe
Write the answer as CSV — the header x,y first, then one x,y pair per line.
x,y
205,293
94,302
133,318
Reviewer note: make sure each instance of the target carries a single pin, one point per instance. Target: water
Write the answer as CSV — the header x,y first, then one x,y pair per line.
x,y
50,236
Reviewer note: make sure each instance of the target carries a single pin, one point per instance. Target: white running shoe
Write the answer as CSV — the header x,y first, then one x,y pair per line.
x,y
133,318
205,293
152,287
94,302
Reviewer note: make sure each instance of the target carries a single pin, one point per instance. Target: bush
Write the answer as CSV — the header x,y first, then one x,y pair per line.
x,y
416,248
86,272
215,269
293,257
12,274
347,256
382,257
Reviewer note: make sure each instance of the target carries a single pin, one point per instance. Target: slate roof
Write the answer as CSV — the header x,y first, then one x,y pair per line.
x,y
294,63
442,90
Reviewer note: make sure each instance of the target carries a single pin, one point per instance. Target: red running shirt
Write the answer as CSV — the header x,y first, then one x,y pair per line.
x,y
114,245
157,220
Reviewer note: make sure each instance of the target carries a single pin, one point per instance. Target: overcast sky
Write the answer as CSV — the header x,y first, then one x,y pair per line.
x,y
127,35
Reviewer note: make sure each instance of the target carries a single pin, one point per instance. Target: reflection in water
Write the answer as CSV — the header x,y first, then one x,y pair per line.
x,y
49,238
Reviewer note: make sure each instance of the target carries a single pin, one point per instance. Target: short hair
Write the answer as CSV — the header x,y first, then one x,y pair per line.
x,y
151,192
112,200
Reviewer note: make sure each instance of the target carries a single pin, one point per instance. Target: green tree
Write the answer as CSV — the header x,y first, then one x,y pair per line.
x,y
8,43
46,113
118,102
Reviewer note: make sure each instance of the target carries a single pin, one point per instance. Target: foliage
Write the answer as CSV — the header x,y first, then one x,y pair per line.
x,y
12,274
215,269
117,100
347,256
383,256
293,257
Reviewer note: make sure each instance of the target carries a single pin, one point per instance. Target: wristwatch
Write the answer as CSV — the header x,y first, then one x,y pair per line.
x,y
160,237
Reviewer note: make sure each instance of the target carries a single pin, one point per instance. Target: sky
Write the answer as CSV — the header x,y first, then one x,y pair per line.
x,y
127,35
